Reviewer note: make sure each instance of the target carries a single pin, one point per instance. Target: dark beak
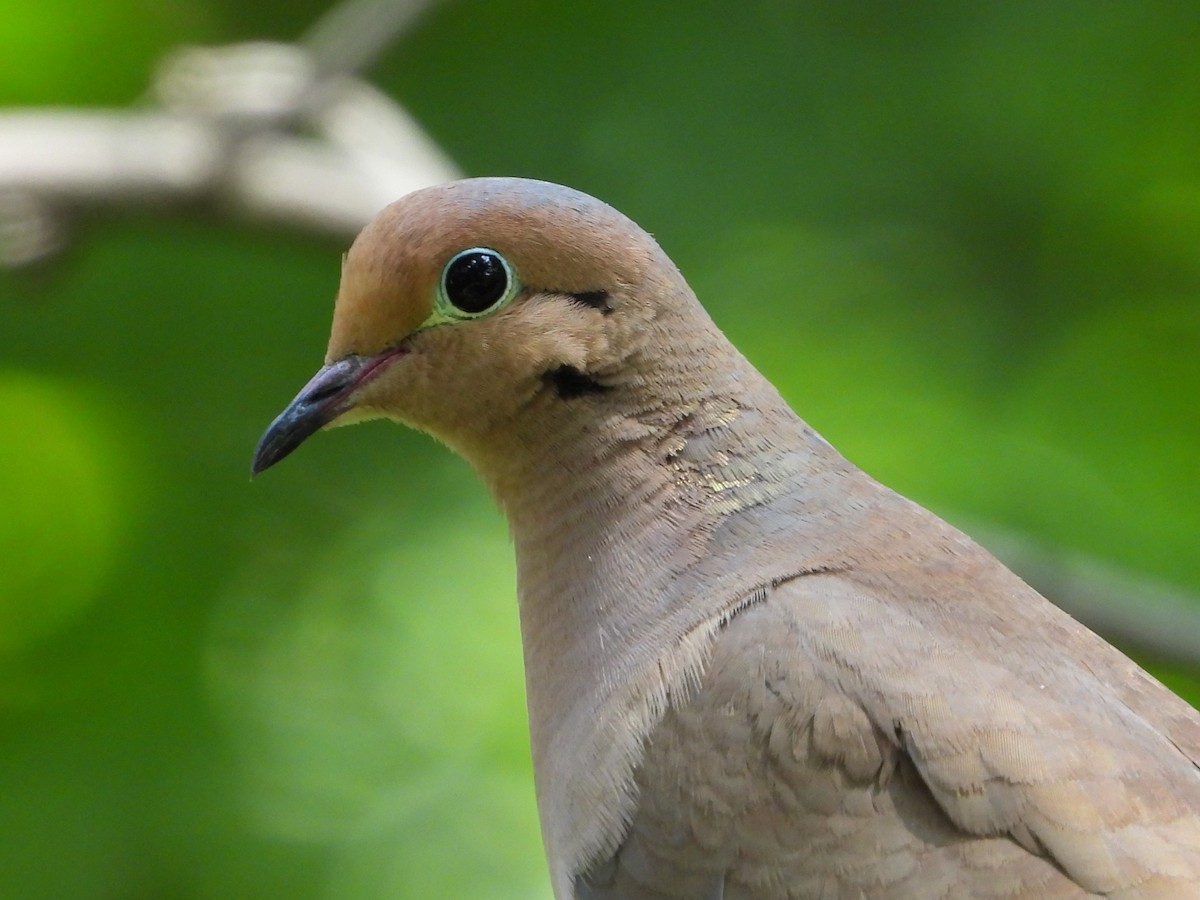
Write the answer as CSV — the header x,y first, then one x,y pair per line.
x,y
326,396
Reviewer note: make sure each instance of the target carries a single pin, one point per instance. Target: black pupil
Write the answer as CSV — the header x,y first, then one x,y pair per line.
x,y
476,281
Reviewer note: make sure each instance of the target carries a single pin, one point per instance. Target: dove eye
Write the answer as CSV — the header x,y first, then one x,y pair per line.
x,y
475,282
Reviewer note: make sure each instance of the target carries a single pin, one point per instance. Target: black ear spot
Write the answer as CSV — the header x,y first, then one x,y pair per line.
x,y
569,382
595,299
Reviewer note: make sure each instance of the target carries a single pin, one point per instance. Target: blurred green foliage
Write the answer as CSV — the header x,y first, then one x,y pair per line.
x,y
962,238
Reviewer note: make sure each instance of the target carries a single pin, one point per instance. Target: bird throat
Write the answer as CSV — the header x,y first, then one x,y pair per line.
x,y
625,530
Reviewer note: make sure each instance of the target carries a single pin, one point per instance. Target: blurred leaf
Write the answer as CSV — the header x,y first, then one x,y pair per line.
x,y
101,52
67,498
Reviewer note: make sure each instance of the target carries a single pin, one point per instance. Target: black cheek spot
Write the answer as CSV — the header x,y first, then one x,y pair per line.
x,y
569,383
595,299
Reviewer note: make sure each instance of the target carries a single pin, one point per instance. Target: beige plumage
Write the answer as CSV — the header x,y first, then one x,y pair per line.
x,y
752,671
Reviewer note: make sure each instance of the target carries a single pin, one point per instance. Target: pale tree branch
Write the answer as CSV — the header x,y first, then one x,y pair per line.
x,y
272,132
353,34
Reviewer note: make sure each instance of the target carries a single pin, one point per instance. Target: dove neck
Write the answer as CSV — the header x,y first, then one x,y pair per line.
x,y
625,509
643,517
627,486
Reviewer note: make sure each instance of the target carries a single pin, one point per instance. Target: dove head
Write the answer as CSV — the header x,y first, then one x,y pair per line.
x,y
465,307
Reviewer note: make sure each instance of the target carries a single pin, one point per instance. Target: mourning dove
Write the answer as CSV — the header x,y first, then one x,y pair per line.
x,y
752,671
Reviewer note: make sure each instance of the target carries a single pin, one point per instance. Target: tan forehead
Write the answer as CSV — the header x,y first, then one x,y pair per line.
x,y
387,288
390,275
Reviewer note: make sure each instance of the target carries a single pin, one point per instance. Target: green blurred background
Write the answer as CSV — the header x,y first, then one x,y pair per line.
x,y
963,238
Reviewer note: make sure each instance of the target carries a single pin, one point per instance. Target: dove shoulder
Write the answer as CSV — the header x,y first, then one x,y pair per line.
x,y
918,722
